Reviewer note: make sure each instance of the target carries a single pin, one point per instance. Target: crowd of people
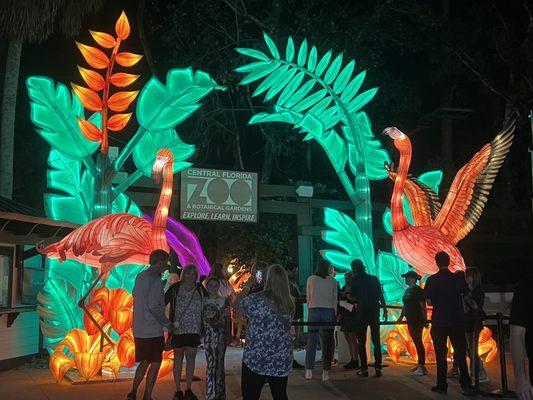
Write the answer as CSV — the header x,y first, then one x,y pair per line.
x,y
270,301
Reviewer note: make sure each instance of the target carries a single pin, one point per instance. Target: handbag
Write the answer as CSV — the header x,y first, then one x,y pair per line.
x,y
168,343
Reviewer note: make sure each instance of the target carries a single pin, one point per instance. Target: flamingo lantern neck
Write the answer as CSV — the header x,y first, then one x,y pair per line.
x,y
162,169
399,220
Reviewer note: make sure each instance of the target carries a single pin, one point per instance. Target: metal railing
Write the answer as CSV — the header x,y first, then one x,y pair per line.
x,y
503,392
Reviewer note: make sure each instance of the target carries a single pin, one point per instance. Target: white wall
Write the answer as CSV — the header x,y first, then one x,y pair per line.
x,y
22,338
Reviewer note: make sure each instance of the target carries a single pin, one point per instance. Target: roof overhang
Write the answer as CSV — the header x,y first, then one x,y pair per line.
x,y
25,229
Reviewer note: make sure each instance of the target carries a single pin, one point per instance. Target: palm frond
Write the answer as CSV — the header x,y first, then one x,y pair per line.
x,y
302,85
352,244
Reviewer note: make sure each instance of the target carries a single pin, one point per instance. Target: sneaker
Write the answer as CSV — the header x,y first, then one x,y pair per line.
x,y
308,374
325,376
414,368
297,365
335,362
439,389
178,395
189,395
424,369
453,372
379,374
418,371
363,373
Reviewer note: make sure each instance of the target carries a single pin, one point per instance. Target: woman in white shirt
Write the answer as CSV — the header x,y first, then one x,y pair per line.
x,y
322,306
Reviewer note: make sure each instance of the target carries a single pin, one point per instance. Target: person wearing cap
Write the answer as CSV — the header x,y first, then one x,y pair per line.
x,y
414,311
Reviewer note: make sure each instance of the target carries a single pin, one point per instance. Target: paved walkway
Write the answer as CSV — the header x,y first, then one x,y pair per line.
x,y
32,383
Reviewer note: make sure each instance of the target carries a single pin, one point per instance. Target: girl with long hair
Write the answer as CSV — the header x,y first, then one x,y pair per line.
x,y
186,299
322,292
268,347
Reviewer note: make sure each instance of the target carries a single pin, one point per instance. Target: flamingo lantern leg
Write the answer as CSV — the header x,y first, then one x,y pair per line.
x,y
82,305
439,228
121,238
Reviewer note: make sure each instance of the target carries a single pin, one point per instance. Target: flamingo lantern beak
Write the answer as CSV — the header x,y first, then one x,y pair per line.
x,y
394,133
163,159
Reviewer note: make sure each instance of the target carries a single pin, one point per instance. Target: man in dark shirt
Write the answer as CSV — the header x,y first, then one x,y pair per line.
x,y
444,291
522,337
366,292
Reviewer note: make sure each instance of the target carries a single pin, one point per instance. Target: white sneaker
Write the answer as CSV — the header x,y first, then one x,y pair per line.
x,y
325,376
308,374
418,371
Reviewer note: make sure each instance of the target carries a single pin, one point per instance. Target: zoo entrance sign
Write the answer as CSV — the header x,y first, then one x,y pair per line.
x,y
218,195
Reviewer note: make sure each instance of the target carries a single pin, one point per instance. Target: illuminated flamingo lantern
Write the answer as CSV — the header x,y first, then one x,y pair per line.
x,y
119,238
439,229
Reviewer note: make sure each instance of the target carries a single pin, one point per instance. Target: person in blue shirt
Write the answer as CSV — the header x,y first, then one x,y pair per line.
x,y
268,347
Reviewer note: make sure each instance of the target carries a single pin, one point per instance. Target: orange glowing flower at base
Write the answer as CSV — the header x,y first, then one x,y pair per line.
x,y
399,342
126,349
84,355
487,346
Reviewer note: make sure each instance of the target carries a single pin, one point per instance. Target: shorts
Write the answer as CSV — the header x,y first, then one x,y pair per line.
x,y
149,349
348,322
186,340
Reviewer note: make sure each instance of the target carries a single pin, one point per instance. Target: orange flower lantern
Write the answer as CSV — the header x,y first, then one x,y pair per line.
x,y
399,342
110,306
126,349
84,355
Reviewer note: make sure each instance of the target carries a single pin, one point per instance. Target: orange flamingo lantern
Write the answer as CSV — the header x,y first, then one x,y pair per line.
x,y
119,238
439,229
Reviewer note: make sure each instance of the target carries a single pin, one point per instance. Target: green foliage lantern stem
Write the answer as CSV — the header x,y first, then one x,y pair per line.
x,y
319,97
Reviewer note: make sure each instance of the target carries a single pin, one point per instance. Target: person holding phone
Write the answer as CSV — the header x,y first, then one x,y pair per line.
x,y
268,348
258,270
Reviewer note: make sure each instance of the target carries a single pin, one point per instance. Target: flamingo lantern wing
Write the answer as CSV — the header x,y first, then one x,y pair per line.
x,y
110,240
471,186
127,243
423,201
